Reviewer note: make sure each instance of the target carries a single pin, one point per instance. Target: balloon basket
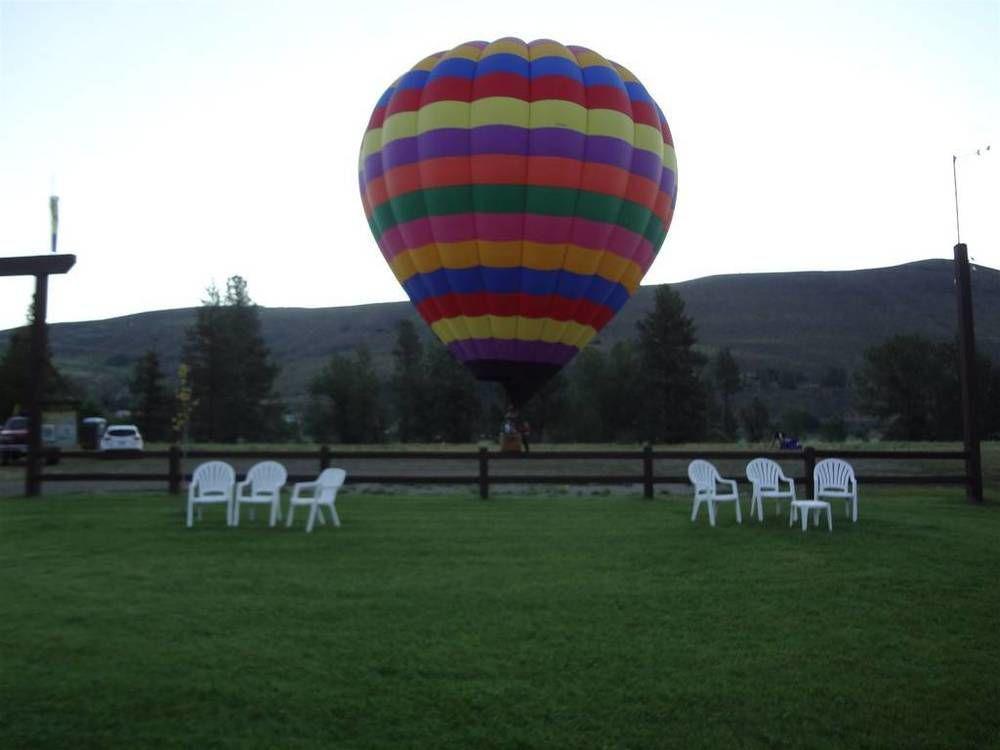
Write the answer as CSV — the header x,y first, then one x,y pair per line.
x,y
511,443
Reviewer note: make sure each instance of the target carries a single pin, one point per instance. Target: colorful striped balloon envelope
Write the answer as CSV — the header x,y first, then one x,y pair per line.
x,y
519,191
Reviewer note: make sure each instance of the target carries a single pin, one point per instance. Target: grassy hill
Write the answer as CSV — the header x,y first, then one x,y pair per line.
x,y
802,322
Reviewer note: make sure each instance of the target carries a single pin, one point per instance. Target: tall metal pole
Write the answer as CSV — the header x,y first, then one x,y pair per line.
x,y
967,373
36,387
954,177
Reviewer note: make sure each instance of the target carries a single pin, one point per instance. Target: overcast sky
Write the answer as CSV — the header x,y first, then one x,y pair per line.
x,y
190,141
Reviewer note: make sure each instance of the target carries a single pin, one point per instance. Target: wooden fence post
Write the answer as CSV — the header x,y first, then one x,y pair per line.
x,y
174,469
484,473
324,457
809,459
647,471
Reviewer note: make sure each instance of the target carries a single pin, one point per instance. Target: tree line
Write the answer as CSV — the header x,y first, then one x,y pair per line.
x,y
658,386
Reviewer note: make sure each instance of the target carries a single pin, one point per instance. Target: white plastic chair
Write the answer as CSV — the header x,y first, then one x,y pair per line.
x,y
816,506
264,481
705,478
834,477
319,494
766,478
211,483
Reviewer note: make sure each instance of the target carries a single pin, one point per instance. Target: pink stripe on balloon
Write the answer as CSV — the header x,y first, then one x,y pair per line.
x,y
595,235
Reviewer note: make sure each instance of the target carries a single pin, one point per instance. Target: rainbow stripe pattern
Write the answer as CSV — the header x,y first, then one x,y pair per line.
x,y
519,192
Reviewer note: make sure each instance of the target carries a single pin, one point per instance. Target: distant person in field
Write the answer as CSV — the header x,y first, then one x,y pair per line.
x,y
510,421
786,442
525,430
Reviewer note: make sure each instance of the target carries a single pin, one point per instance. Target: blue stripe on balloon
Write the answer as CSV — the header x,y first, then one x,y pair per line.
x,y
457,67
503,63
415,79
384,99
637,92
567,284
507,63
601,75
555,66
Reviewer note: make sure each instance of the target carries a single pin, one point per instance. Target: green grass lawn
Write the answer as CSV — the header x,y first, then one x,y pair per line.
x,y
546,622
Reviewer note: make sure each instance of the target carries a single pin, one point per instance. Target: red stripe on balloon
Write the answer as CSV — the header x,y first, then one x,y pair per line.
x,y
377,118
558,87
508,169
514,86
501,84
644,113
665,130
608,97
534,306
405,100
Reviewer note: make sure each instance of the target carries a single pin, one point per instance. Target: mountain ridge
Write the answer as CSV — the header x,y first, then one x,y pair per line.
x,y
801,321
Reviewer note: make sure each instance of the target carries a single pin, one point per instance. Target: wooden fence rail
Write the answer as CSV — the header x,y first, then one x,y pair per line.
x,y
482,458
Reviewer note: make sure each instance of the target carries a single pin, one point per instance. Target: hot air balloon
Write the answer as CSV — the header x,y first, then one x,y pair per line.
x,y
519,192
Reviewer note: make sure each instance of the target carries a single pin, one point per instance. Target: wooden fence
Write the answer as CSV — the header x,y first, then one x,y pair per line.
x,y
480,461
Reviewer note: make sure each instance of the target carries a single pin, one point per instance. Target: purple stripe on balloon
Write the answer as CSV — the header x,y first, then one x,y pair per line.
x,y
503,139
595,235
508,139
647,164
512,350
668,181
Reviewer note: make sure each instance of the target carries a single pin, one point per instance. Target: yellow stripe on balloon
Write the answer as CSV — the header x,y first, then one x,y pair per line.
x,y
428,62
464,52
499,110
536,256
587,58
400,125
669,157
370,144
649,138
504,110
511,327
506,47
549,49
625,73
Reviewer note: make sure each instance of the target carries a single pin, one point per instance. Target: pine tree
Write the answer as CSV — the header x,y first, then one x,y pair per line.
x,y
232,376
727,379
345,405
150,399
408,383
452,398
674,408
15,372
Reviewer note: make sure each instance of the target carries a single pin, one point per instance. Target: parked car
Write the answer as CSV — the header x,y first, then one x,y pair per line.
x,y
121,439
14,438
14,441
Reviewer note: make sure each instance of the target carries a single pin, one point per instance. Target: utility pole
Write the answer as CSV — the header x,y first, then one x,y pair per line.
x,y
967,374
967,353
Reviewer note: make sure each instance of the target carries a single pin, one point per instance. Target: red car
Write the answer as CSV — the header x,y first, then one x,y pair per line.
x,y
14,442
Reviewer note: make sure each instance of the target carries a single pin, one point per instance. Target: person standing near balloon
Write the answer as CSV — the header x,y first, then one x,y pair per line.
x,y
525,429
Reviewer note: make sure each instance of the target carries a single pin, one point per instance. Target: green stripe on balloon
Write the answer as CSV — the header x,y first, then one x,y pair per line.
x,y
545,201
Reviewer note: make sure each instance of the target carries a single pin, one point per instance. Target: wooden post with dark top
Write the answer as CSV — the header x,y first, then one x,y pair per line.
x,y
174,470
39,266
809,460
36,387
647,471
484,473
324,457
967,373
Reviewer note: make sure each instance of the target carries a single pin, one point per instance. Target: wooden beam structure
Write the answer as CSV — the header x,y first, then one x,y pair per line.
x,y
41,267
